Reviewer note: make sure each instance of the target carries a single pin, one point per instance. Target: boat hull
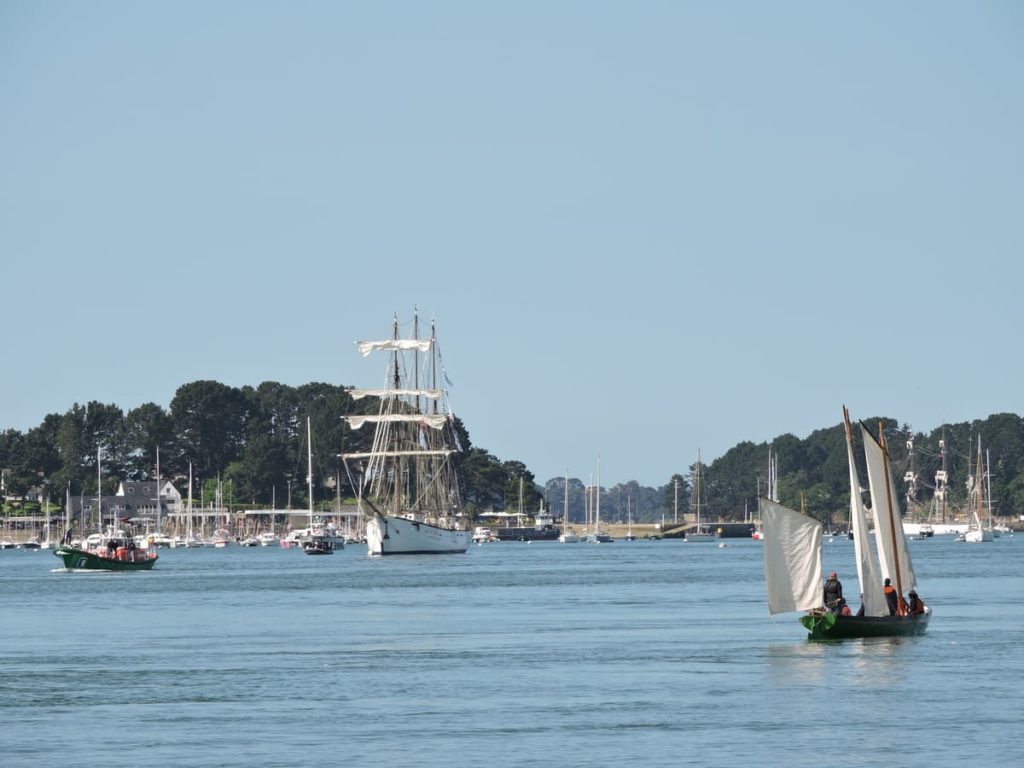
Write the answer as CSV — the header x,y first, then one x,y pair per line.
x,y
83,560
547,533
826,626
700,537
390,535
977,535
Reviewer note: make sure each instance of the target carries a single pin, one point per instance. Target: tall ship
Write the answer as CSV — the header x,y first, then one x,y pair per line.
x,y
406,484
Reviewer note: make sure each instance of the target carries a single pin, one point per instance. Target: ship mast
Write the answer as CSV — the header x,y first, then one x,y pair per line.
x,y
941,478
910,477
309,470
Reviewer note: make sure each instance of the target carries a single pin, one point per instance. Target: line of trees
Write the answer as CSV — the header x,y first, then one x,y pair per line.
x,y
253,438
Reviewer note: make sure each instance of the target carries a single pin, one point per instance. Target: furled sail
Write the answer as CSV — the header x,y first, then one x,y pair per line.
x,y
433,420
889,536
392,345
872,596
792,558
430,394
441,453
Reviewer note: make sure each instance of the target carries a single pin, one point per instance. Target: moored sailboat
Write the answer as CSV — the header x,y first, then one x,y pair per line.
x,y
319,538
568,535
407,484
979,529
700,531
793,565
597,536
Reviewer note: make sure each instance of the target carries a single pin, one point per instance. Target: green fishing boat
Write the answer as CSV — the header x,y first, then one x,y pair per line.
x,y
114,550
114,554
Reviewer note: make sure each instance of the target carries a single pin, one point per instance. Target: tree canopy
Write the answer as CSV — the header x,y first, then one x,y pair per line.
x,y
255,438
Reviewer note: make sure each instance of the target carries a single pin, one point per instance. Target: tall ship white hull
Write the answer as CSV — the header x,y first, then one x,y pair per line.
x,y
391,535
405,479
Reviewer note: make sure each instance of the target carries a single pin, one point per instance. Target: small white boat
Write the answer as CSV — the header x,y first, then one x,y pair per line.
x,y
483,535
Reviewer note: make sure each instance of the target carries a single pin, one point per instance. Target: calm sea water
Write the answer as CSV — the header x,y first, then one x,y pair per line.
x,y
633,653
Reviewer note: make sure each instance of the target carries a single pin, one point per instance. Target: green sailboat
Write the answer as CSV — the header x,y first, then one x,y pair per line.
x,y
793,566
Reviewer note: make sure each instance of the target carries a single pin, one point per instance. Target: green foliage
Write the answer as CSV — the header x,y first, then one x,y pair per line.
x,y
255,439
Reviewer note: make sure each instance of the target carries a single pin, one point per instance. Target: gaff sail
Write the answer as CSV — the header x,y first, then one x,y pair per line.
x,y
872,596
889,536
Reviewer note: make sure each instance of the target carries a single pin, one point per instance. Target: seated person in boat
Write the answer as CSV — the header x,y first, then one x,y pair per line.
x,y
844,609
916,603
833,592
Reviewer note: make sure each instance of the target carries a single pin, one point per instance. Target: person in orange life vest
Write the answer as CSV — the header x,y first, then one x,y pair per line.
x,y
891,597
832,593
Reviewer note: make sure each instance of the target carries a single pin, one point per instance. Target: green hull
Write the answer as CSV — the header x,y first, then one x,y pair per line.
x,y
828,626
82,560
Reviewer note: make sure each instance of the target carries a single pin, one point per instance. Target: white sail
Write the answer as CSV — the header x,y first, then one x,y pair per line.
x,y
392,345
792,558
889,536
394,454
434,421
868,574
430,394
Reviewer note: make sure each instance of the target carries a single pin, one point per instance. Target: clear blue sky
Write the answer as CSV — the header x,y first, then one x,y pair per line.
x,y
642,228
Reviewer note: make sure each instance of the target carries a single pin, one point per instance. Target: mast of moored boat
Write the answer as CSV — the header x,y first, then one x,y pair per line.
x,y
565,504
159,522
188,526
99,489
988,490
309,471
67,510
892,517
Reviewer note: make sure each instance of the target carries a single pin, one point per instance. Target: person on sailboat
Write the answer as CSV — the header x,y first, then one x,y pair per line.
x,y
833,592
891,598
916,603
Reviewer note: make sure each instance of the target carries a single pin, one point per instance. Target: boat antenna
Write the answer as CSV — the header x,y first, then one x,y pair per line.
x,y
892,517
